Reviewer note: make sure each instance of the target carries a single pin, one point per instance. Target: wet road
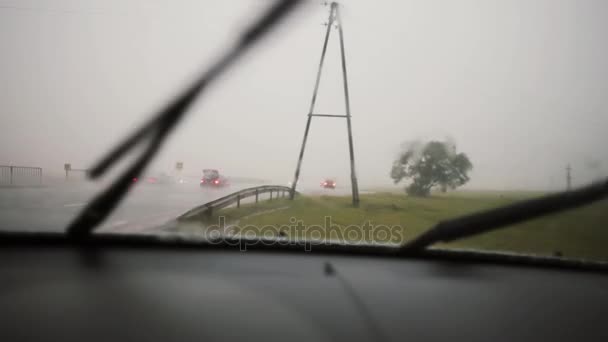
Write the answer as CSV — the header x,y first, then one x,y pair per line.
x,y
147,206
51,208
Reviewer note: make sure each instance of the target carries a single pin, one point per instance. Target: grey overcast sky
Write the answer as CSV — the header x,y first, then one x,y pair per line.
x,y
519,85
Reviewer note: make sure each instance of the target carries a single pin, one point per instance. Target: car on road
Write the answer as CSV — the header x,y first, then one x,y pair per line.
x,y
329,184
212,178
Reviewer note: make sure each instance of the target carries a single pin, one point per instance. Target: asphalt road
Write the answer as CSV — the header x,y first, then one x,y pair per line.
x,y
51,208
147,206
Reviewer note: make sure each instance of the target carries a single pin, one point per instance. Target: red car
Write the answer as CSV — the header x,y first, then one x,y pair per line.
x,y
329,184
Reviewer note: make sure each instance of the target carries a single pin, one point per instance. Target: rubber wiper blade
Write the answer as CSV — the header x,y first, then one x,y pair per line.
x,y
485,221
155,130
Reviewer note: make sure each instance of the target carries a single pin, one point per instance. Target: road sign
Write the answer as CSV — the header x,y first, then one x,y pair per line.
x,y
179,165
67,167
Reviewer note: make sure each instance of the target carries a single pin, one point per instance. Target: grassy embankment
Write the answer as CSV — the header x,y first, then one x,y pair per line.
x,y
577,233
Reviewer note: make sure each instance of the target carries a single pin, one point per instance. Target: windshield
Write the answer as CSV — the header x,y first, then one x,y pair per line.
x,y
366,122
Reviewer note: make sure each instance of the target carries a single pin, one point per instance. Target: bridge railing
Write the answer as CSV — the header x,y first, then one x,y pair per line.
x,y
20,175
235,198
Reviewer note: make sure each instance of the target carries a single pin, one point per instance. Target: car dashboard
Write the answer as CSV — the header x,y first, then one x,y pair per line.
x,y
66,292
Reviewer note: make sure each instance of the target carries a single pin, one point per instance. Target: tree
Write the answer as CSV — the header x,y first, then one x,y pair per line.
x,y
434,164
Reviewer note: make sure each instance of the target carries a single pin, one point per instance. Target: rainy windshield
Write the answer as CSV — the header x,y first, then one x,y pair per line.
x,y
358,122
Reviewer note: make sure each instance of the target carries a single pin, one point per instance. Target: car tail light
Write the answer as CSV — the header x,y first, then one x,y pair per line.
x,y
216,182
202,181
135,179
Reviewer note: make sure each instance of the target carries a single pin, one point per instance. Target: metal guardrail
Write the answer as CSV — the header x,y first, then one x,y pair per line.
x,y
20,175
208,208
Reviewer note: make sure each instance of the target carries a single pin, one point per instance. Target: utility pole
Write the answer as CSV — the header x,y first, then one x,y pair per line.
x,y
334,18
179,166
67,167
568,177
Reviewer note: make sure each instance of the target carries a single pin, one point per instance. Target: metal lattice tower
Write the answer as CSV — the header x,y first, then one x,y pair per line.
x,y
334,19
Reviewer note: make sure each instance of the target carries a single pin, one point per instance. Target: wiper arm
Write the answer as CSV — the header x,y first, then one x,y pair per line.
x,y
492,219
158,127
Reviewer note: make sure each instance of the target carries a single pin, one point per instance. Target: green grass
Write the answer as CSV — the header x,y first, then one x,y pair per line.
x,y
580,233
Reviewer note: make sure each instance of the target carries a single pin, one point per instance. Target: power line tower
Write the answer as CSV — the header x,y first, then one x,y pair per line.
x,y
568,177
334,20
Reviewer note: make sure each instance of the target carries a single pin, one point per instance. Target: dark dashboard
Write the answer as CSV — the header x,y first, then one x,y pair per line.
x,y
120,293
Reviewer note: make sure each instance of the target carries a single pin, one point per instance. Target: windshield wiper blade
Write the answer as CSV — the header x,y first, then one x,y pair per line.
x,y
158,127
492,219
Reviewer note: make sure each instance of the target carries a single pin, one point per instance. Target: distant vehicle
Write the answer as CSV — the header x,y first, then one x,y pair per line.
x,y
329,184
163,178
212,178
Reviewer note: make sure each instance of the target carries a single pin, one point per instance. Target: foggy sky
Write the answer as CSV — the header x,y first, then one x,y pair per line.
x,y
519,85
